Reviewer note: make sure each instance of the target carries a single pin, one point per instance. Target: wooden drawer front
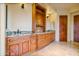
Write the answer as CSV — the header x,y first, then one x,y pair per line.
x,y
33,43
41,44
20,49
48,38
14,50
41,41
41,36
52,36
9,40
25,47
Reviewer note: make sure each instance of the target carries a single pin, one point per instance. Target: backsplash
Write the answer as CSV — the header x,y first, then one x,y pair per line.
x,y
9,33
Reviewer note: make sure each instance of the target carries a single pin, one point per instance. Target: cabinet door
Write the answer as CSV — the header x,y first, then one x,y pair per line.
x,y
53,36
47,38
41,40
14,50
40,19
25,47
33,43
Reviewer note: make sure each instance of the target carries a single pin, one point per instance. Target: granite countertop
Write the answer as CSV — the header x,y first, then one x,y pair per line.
x,y
12,34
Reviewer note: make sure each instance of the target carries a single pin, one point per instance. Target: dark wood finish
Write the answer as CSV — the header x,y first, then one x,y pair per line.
x,y
38,18
76,28
63,27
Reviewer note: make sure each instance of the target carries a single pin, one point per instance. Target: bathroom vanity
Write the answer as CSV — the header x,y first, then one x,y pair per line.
x,y
24,44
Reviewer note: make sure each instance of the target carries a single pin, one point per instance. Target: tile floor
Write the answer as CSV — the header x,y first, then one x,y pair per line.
x,y
59,49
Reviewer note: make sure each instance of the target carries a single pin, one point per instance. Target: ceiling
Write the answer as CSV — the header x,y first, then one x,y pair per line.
x,y
64,6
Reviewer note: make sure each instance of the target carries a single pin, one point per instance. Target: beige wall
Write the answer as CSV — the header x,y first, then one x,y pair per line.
x,y
0,21
50,21
2,29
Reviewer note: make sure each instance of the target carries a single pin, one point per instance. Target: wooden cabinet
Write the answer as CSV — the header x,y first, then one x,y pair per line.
x,y
41,40
25,47
52,36
45,39
25,44
20,45
16,46
14,50
11,49
38,18
33,43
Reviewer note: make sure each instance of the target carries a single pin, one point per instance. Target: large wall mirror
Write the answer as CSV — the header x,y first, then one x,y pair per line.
x,y
19,16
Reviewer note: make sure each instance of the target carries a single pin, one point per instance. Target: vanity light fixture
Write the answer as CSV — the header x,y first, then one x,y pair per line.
x,y
22,6
48,15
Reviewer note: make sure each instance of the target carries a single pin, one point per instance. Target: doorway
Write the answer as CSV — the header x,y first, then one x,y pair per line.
x,y
76,28
63,27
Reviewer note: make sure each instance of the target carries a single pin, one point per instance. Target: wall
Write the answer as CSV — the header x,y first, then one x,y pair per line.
x,y
0,21
57,29
50,21
19,18
2,29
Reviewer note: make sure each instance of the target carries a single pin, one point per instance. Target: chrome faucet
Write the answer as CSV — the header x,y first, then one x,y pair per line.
x,y
18,31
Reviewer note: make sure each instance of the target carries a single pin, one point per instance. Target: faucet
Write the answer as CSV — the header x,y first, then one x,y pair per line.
x,y
18,31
